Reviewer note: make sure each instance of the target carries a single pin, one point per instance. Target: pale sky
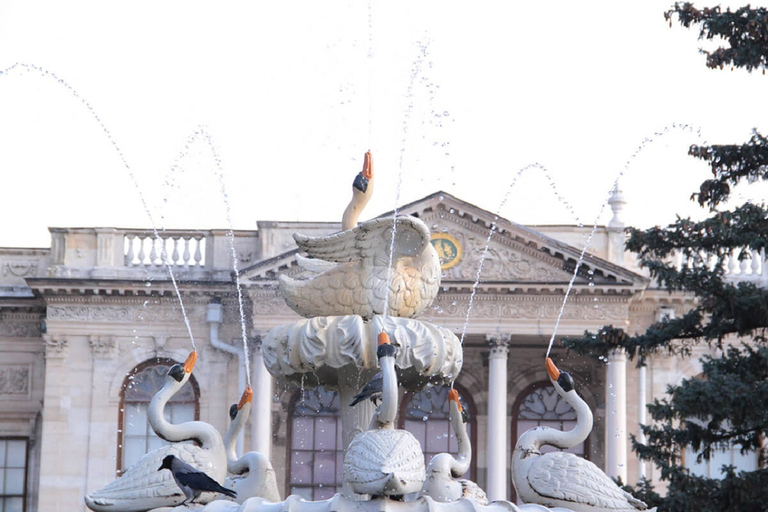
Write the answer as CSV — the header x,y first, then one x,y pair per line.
x,y
100,103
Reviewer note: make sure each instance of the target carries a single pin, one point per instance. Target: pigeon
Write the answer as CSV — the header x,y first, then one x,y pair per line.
x,y
191,481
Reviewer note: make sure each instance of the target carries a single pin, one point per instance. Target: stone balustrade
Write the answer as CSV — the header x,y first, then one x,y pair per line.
x,y
141,253
739,265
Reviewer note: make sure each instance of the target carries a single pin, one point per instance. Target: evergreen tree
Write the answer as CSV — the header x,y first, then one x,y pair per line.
x,y
728,405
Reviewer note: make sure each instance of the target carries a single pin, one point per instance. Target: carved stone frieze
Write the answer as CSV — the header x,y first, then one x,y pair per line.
x,y
20,269
20,327
115,313
530,307
14,381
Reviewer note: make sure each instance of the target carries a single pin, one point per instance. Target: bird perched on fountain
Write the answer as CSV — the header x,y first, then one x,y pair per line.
x,y
371,391
385,461
191,481
562,479
380,266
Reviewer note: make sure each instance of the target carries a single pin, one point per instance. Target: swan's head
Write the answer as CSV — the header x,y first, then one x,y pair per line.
x,y
246,398
453,396
386,349
562,380
181,371
364,177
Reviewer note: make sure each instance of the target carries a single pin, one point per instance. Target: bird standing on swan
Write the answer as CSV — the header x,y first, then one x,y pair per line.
x,y
384,461
561,479
142,487
352,274
252,474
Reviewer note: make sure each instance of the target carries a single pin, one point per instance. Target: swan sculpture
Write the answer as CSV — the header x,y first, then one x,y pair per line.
x,y
561,479
142,487
443,471
360,282
384,461
252,474
351,269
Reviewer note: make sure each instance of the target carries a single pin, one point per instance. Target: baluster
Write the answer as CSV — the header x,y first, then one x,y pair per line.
x,y
187,256
142,253
198,250
733,263
153,252
129,239
754,267
175,253
743,263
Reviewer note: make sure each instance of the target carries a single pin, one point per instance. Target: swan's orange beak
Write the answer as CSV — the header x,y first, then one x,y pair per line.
x,y
189,364
454,395
383,338
552,370
368,166
246,398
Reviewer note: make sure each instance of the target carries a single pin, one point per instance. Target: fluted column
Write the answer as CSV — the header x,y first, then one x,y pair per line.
x,y
616,416
497,417
261,417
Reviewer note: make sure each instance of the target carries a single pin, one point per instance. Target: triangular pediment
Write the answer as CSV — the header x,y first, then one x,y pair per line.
x,y
511,255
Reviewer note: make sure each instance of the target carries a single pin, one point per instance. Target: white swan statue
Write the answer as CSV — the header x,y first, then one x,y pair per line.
x,y
142,486
443,471
351,269
384,461
252,474
561,479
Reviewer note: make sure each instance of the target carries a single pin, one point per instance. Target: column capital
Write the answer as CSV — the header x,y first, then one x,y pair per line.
x,y
617,355
499,344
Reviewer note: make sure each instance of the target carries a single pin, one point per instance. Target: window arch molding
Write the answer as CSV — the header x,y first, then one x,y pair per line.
x,y
127,380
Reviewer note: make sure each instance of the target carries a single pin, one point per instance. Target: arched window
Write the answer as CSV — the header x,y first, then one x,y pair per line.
x,y
135,436
315,448
426,415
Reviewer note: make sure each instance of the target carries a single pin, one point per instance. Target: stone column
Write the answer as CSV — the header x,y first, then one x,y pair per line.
x,y
261,411
616,416
497,417
642,399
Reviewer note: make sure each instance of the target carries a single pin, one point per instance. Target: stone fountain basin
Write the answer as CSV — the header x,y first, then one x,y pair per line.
x,y
311,351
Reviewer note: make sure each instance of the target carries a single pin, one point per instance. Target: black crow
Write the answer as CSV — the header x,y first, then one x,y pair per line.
x,y
191,481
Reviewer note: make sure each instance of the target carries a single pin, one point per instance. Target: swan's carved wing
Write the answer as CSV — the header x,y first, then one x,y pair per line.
x,y
368,240
567,477
143,487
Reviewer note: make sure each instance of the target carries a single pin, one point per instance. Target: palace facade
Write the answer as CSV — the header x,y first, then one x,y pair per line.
x,y
89,326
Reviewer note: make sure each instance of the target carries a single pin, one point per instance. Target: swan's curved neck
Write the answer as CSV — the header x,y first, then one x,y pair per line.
x,y
355,207
199,431
385,414
463,458
230,438
537,437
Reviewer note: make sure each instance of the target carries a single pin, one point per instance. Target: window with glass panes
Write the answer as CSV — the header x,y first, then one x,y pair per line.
x,y
135,435
316,453
730,456
13,474
427,418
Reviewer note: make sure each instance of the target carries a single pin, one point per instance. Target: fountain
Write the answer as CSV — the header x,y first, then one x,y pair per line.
x,y
363,288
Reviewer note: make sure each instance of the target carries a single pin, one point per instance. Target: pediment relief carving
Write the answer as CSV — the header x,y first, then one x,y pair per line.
x,y
505,259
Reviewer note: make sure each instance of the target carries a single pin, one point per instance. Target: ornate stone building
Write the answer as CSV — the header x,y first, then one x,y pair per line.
x,y
88,325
